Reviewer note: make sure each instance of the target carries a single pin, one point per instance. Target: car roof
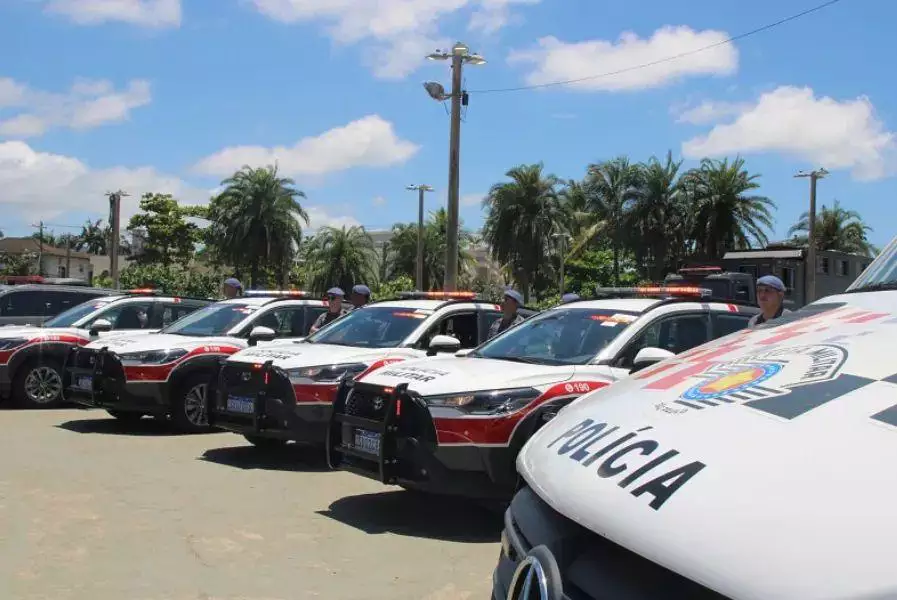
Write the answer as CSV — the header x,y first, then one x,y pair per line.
x,y
642,305
430,304
259,301
58,288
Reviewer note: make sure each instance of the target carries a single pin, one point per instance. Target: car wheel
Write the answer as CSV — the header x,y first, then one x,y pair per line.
x,y
188,405
126,416
39,384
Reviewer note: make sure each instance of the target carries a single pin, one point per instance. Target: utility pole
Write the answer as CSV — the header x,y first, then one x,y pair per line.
x,y
114,220
810,280
421,190
563,248
459,55
40,252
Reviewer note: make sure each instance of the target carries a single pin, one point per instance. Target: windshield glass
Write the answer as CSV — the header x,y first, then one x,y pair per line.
x,y
567,336
74,314
371,327
214,319
881,274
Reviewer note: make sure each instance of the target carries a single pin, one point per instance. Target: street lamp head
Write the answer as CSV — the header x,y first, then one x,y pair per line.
x,y
410,188
460,49
438,55
435,90
427,188
475,59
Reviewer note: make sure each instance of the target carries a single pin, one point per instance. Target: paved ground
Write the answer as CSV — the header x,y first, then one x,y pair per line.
x,y
92,509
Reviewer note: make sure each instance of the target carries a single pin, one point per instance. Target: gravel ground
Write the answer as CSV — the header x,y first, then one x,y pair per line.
x,y
94,509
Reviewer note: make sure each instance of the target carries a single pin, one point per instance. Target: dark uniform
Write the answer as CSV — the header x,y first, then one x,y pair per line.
x,y
759,319
498,325
326,318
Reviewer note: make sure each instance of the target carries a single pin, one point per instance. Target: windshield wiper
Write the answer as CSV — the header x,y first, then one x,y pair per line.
x,y
875,287
520,359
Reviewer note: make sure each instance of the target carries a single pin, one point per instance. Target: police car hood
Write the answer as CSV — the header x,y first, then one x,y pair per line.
x,y
450,374
31,332
760,465
302,354
141,342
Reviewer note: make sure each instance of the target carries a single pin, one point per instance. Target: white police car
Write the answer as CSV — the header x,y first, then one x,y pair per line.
x,y
454,425
757,466
32,357
166,374
285,392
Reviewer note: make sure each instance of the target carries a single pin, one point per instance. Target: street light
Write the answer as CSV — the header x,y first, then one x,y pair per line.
x,y
810,279
421,190
459,55
563,245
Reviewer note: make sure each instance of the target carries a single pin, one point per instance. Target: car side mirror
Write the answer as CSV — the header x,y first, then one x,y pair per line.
x,y
649,356
443,343
261,334
464,352
100,326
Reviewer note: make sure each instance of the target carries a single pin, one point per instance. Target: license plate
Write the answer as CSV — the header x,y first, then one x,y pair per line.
x,y
367,441
84,382
238,404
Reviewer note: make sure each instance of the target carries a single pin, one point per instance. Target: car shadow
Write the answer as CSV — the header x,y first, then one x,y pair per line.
x,y
292,457
112,426
419,515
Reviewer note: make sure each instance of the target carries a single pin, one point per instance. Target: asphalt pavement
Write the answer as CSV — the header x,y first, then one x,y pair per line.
x,y
93,509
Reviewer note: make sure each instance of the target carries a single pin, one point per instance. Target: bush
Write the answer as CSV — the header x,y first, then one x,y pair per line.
x,y
172,280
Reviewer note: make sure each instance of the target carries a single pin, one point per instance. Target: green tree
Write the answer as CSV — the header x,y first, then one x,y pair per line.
x,y
171,279
403,249
255,222
168,237
726,215
836,229
94,238
340,257
24,263
523,214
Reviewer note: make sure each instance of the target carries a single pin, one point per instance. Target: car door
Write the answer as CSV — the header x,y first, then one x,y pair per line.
x,y
126,316
676,333
23,307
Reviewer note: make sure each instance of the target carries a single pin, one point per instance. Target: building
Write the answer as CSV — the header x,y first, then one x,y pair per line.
x,y
51,261
835,271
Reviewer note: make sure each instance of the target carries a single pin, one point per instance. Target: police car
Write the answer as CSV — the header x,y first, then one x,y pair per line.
x,y
455,425
31,358
757,466
166,374
279,393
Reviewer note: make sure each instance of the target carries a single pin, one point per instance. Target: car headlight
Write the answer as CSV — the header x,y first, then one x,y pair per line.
x,y
151,357
9,344
326,373
488,402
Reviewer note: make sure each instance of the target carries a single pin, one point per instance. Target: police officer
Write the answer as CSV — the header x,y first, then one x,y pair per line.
x,y
510,317
569,297
232,288
771,298
334,309
361,295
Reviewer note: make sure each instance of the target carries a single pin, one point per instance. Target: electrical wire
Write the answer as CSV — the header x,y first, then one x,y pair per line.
x,y
741,36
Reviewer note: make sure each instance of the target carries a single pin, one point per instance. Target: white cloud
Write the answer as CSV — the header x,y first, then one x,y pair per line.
x,y
819,130
87,104
144,13
397,33
472,199
379,201
368,142
319,217
555,60
710,112
43,185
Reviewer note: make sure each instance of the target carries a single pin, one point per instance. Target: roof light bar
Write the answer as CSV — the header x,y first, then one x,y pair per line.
x,y
277,293
437,295
144,291
700,270
655,290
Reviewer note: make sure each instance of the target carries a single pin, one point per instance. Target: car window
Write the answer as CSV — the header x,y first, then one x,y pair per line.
x,y
126,315
311,315
286,322
166,313
30,303
371,327
76,313
487,318
724,324
460,325
676,334
212,319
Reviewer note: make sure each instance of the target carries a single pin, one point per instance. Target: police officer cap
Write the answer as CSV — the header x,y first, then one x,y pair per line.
x,y
361,289
771,281
514,295
571,297
233,282
335,291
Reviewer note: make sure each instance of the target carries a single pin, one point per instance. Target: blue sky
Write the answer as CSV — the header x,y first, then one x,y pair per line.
x,y
171,95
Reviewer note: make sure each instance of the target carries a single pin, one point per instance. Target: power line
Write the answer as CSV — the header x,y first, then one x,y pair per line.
x,y
662,60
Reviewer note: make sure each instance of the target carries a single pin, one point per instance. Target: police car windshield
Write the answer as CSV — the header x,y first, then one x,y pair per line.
x,y
564,336
214,319
881,274
74,314
371,327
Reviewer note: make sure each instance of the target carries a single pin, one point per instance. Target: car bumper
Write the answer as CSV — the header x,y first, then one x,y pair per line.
x,y
397,444
262,402
96,378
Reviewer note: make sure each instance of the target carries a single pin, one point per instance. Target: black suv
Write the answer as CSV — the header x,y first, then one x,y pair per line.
x,y
32,304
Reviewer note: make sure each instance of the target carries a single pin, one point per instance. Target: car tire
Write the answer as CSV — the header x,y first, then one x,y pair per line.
x,y
188,404
38,384
126,416
265,443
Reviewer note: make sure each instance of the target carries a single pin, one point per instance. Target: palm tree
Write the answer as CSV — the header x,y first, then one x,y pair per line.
x,y
256,221
340,257
523,214
94,237
726,216
610,187
403,246
836,229
658,220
